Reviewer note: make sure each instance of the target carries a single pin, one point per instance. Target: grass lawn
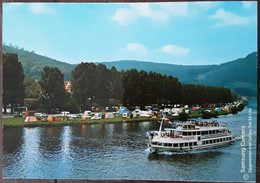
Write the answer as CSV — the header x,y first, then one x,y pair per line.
x,y
19,121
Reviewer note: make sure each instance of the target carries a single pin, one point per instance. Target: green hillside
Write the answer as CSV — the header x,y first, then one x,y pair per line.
x,y
186,74
239,75
33,63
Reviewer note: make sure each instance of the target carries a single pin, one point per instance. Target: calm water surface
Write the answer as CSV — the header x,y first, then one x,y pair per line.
x,y
119,151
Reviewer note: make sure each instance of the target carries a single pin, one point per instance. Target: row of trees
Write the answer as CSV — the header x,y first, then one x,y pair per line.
x,y
97,85
142,88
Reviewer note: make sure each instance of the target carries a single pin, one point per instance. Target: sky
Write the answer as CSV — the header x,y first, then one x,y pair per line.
x,y
186,33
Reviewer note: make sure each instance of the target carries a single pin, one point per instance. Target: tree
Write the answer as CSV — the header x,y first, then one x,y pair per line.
x,y
84,84
13,77
32,88
53,94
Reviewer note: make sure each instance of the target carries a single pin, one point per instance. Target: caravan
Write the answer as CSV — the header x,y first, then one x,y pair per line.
x,y
145,114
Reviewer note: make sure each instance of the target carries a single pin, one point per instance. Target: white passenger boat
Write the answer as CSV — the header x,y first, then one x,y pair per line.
x,y
190,136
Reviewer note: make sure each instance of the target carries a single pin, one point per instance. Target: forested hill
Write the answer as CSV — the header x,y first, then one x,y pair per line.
x,y
34,63
186,74
239,75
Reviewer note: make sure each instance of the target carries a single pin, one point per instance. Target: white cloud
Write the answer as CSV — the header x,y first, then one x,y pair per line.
x,y
124,16
175,8
138,48
175,50
206,5
228,18
159,12
40,8
247,4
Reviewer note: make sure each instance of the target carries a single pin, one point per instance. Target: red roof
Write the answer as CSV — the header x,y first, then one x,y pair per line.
x,y
67,85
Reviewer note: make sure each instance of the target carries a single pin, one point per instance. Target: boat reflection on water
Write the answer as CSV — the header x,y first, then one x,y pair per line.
x,y
187,158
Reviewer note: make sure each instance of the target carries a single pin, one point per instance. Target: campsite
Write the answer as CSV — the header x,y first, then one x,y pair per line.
x,y
123,114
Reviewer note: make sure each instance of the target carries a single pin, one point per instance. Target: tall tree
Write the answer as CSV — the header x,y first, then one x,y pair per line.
x,y
84,84
53,94
32,88
13,77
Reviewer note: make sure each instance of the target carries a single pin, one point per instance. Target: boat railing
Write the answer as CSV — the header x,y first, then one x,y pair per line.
x,y
188,137
215,135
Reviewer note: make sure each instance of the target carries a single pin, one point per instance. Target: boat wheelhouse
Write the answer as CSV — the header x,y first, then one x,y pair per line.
x,y
190,136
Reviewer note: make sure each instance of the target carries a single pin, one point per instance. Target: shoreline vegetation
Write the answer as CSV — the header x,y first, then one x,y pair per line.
x,y
96,87
10,121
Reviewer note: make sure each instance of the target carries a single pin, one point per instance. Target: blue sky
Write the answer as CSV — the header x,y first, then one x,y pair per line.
x,y
177,33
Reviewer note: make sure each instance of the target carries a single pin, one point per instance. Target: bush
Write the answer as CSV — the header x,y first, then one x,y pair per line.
x,y
206,115
240,107
234,110
183,116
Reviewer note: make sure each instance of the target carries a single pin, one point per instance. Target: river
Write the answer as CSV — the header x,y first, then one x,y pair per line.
x,y
119,151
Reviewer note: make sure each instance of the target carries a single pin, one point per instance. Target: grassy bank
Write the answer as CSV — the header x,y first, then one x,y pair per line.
x,y
19,121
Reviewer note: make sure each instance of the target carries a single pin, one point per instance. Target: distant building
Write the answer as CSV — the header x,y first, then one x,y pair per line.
x,y
67,85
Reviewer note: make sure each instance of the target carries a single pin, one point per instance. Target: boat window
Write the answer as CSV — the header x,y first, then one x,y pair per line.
x,y
184,133
217,140
189,133
214,141
169,145
198,133
181,144
175,145
195,143
190,144
205,133
155,143
203,142
210,132
207,142
198,138
220,140
194,133
210,141
186,144
159,143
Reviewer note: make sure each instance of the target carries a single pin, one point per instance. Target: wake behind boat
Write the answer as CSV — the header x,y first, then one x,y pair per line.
x,y
190,136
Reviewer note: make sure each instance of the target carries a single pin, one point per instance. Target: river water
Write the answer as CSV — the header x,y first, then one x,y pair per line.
x,y
119,151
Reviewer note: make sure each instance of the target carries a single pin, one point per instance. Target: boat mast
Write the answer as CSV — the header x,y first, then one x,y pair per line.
x,y
160,129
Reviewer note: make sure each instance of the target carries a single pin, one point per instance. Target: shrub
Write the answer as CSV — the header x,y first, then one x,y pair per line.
x,y
234,110
183,116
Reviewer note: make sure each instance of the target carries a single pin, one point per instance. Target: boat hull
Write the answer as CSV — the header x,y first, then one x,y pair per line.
x,y
155,148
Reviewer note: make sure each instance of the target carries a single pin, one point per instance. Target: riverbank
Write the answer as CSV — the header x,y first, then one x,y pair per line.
x,y
19,121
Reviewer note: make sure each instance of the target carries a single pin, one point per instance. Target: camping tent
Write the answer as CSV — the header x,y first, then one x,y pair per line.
x,y
109,115
122,111
84,118
30,119
53,118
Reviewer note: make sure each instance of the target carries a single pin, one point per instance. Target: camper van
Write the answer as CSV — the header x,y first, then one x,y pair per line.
x,y
145,114
67,114
87,114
